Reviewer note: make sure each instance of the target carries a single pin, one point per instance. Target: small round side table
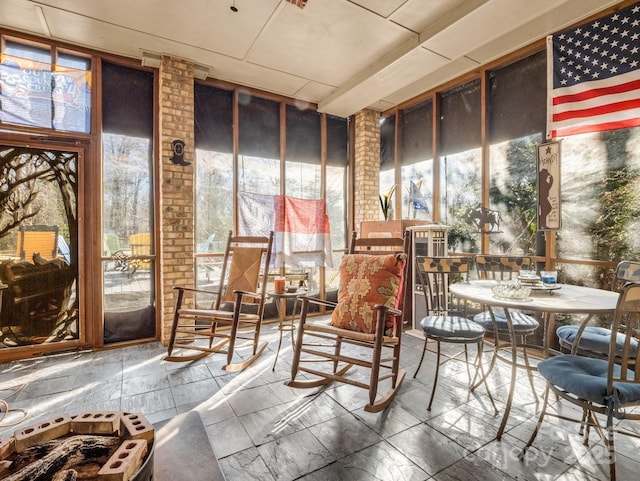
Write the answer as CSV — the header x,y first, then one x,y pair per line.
x,y
280,299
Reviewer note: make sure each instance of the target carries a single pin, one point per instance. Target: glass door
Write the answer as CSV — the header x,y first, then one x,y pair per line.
x,y
39,262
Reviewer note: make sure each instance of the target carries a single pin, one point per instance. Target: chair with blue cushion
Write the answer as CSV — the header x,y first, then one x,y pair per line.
x,y
593,341
505,268
604,389
445,321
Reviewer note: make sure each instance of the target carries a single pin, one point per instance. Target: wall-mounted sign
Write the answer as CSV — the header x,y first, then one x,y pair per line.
x,y
549,186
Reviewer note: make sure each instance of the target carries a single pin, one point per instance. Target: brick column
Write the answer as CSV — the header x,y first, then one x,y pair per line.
x,y
175,255
367,167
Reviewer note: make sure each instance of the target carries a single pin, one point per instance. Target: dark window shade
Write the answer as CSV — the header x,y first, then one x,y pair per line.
x,y
303,135
259,127
213,118
518,99
127,101
460,119
337,141
417,130
387,142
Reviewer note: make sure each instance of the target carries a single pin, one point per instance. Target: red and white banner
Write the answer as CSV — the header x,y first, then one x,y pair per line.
x,y
301,226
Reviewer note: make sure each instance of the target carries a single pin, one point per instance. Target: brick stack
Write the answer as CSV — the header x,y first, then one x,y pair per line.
x,y
177,184
367,166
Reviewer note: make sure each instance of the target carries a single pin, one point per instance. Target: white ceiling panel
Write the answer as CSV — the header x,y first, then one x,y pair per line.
x,y
411,67
327,41
343,55
450,71
384,8
204,23
417,15
20,15
312,91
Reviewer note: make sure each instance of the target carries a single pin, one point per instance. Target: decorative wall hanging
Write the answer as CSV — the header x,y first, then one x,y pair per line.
x,y
417,201
487,221
549,186
177,147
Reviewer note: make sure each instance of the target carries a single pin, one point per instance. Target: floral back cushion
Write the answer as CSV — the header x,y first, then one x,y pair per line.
x,y
367,280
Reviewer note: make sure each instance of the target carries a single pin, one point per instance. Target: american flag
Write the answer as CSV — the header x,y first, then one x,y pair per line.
x,y
594,75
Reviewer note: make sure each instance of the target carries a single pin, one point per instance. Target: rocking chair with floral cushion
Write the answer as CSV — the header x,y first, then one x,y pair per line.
x,y
368,317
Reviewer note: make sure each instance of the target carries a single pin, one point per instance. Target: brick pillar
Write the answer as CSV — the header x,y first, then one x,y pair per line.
x,y
175,256
367,167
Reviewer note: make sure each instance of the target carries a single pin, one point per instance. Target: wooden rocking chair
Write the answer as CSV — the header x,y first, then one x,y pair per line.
x,y
236,311
368,315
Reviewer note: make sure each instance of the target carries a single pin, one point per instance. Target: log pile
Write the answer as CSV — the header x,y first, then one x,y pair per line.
x,y
102,446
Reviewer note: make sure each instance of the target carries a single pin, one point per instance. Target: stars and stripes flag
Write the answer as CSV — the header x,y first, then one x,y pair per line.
x,y
594,75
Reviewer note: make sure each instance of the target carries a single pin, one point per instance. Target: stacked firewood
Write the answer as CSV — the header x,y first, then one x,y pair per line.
x,y
103,446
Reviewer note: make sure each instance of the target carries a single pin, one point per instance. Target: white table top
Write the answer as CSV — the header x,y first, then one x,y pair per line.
x,y
566,299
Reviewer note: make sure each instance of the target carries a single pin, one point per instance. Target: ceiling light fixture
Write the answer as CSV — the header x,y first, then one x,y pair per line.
x,y
233,7
298,3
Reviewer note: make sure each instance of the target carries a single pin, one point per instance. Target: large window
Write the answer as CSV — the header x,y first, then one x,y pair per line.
x,y
303,166
337,192
259,146
256,175
44,87
417,162
516,128
214,209
127,170
600,189
460,163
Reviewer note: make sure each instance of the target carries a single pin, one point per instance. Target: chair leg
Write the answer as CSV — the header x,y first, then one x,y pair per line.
x,y
295,362
435,377
492,364
234,331
466,361
611,452
375,371
512,386
336,353
483,376
529,370
176,317
543,411
424,349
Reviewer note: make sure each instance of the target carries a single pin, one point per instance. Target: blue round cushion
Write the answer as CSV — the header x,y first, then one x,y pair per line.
x,y
586,377
594,339
521,322
454,328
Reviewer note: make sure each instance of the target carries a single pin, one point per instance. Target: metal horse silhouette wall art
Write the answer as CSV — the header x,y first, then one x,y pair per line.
x,y
487,221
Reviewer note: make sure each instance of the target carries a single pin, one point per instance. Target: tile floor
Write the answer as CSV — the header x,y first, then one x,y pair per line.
x,y
261,429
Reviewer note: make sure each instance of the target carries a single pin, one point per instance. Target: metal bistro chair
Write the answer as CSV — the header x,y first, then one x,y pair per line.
x,y
494,320
593,341
445,322
368,317
606,387
237,309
